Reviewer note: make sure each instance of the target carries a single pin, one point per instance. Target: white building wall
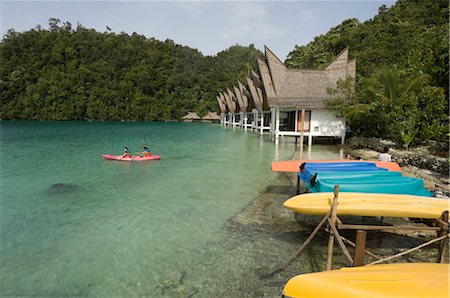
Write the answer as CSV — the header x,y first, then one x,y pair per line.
x,y
325,123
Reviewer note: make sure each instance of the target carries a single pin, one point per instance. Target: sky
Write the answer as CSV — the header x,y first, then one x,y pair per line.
x,y
209,26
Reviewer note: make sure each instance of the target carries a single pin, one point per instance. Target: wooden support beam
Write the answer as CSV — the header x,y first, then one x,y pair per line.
x,y
360,248
385,228
443,225
333,222
443,242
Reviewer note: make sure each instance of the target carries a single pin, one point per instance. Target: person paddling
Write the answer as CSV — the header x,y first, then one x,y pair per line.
x,y
126,154
146,152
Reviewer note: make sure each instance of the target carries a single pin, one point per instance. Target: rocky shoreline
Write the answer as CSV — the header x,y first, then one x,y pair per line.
x,y
430,168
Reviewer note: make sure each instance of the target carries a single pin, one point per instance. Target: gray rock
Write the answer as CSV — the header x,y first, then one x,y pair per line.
x,y
62,188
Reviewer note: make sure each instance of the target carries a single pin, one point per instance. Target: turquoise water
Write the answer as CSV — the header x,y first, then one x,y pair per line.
x,y
73,224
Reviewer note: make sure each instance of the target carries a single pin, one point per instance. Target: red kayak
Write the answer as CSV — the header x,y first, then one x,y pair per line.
x,y
134,158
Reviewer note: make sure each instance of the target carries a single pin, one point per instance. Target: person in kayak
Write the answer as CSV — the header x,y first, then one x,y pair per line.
x,y
126,154
146,152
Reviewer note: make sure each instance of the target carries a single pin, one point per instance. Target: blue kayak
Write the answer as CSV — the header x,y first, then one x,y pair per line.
x,y
307,169
352,175
387,184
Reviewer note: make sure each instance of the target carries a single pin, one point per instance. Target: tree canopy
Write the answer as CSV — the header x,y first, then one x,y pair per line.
x,y
67,73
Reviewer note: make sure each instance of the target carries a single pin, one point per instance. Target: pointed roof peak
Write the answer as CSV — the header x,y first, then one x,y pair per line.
x,y
271,56
340,60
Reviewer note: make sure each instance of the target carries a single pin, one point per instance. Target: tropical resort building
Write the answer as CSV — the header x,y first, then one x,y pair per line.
x,y
288,102
190,117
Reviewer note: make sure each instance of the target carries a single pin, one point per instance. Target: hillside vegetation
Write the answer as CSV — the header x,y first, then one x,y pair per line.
x,y
81,74
402,86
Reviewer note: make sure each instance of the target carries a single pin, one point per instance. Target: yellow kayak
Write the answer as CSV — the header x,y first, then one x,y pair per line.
x,y
369,204
390,280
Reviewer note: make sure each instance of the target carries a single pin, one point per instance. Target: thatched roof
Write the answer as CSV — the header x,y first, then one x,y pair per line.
x,y
222,106
191,116
256,89
301,88
224,102
232,101
231,105
211,116
244,96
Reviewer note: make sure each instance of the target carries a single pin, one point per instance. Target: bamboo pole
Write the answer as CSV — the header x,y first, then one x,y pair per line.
x,y
333,220
385,228
341,243
408,251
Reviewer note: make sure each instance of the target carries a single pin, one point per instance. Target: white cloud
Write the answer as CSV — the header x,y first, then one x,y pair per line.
x,y
251,20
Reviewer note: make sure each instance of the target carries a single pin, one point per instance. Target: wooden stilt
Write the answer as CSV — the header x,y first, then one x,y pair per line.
x,y
360,248
301,134
352,244
333,221
443,242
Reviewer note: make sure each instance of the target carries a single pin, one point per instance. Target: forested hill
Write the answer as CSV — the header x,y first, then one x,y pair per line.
x,y
67,73
402,88
412,35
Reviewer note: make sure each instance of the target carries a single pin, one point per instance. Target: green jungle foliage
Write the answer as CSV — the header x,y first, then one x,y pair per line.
x,y
81,74
402,86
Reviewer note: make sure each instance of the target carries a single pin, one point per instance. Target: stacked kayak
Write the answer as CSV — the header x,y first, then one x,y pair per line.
x,y
363,177
390,280
308,169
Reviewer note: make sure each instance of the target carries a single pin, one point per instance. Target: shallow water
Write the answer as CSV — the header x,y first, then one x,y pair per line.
x,y
73,224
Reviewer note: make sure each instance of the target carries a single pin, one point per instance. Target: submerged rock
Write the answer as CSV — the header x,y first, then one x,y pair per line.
x,y
62,188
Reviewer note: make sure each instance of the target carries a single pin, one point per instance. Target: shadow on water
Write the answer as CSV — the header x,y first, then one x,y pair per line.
x,y
62,189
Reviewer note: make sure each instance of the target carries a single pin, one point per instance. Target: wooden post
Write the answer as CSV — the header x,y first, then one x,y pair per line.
x,y
301,134
442,243
360,248
333,220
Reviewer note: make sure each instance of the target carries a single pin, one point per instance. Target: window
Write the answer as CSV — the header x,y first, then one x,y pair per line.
x,y
287,121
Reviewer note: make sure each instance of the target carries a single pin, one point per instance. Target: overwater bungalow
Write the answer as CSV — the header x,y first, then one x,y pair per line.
x,y
211,117
233,108
245,106
223,109
293,93
190,117
261,114
278,97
